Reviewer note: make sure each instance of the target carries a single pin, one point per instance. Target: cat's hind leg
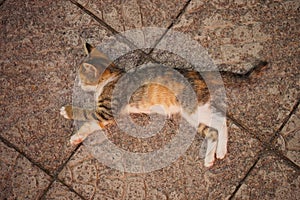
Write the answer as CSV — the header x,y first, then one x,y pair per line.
x,y
199,119
85,130
211,137
222,141
219,123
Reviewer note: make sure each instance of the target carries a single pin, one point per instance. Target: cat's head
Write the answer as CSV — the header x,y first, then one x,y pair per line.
x,y
91,70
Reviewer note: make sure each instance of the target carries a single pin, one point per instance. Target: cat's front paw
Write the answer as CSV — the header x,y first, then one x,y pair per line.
x,y
67,112
76,139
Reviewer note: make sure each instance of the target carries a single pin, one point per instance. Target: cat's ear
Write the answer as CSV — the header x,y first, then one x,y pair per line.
x,y
88,48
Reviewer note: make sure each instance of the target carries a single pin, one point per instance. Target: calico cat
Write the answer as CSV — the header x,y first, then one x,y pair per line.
x,y
100,75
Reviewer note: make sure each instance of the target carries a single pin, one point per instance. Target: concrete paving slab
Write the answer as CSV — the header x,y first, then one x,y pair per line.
x,y
59,191
270,179
42,51
20,179
288,141
38,61
126,15
48,144
238,33
262,103
186,178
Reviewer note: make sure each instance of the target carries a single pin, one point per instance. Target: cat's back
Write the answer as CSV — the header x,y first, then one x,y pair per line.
x,y
164,89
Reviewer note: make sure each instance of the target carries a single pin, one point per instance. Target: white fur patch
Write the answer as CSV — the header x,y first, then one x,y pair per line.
x,y
205,115
63,112
85,130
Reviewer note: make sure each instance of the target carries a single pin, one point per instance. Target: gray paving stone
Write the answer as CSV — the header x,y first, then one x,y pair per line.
x,y
38,61
42,51
59,191
186,178
288,141
126,15
20,179
235,34
270,179
84,174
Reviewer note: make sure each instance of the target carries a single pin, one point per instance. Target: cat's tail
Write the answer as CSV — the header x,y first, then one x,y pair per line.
x,y
231,77
257,69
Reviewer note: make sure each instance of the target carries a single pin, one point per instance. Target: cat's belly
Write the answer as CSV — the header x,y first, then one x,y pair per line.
x,y
160,109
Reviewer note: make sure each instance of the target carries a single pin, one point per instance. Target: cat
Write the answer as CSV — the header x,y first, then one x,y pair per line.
x,y
98,74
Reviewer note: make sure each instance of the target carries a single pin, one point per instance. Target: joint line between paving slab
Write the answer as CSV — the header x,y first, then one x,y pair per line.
x,y
53,177
288,161
246,175
59,169
7,143
63,183
47,189
285,121
101,22
268,147
123,39
260,154
71,189
50,185
94,16
238,124
109,28
2,3
171,25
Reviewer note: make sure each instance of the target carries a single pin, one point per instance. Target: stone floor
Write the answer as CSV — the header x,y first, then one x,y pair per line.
x,y
41,48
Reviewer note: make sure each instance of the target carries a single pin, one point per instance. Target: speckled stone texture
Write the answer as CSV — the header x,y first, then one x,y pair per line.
x,y
271,179
38,64
186,178
20,179
126,15
237,34
41,49
60,191
289,140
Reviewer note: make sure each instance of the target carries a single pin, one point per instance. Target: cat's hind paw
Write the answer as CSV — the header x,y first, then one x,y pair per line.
x,y
221,151
210,153
209,162
66,112
222,142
